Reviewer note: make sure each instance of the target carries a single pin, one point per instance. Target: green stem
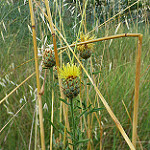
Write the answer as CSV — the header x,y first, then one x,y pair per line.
x,y
73,125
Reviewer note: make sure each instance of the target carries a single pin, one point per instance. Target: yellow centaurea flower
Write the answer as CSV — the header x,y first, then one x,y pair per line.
x,y
70,75
70,70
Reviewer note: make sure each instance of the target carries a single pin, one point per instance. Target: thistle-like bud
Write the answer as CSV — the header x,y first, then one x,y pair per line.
x,y
85,49
48,58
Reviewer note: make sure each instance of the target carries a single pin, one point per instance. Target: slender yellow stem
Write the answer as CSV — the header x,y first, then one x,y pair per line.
x,y
64,141
132,123
12,117
52,114
55,50
80,29
16,88
88,117
136,99
102,39
37,76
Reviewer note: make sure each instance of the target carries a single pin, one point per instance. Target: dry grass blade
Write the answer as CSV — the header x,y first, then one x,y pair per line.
x,y
19,66
16,88
136,99
102,39
37,75
12,118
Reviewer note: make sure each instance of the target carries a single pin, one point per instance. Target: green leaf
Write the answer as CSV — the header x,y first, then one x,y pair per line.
x,y
97,72
53,126
79,107
63,100
94,110
89,106
89,83
83,112
82,141
85,77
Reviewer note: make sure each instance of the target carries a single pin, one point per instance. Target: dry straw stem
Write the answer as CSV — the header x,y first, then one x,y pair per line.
x,y
12,117
49,18
137,82
102,39
37,76
16,88
98,92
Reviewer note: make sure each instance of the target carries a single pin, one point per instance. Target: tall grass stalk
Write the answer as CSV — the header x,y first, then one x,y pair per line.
x,y
137,82
73,124
37,77
132,123
52,114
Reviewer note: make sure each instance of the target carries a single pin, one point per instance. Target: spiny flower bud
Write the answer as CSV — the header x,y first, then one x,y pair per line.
x,y
85,49
48,58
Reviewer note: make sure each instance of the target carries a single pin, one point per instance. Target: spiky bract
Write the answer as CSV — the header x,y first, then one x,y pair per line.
x,y
48,58
70,75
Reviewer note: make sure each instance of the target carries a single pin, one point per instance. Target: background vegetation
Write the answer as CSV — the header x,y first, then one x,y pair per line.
x,y
112,67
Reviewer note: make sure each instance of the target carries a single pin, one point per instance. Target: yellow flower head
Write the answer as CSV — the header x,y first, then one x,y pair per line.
x,y
84,38
70,70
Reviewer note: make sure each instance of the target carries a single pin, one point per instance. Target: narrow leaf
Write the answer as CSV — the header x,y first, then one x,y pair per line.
x,y
97,72
63,100
82,141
